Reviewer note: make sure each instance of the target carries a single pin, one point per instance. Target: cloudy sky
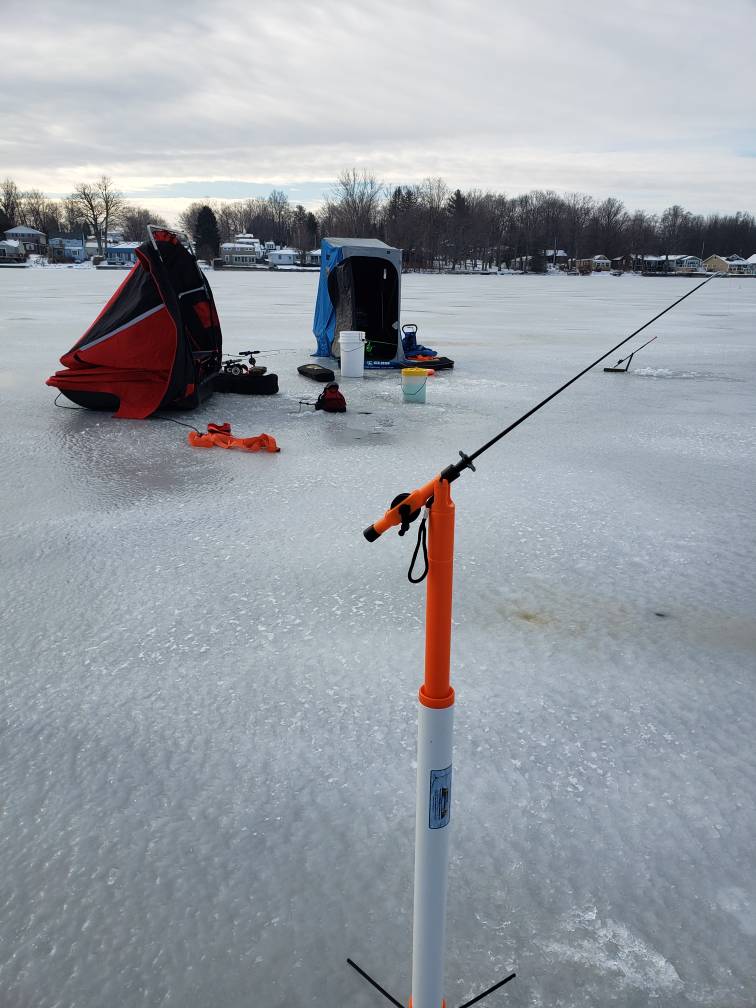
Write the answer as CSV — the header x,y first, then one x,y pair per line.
x,y
653,102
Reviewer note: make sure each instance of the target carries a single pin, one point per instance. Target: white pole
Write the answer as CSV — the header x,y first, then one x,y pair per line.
x,y
434,778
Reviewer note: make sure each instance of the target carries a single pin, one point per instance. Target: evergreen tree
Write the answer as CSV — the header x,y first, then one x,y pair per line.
x,y
458,222
206,235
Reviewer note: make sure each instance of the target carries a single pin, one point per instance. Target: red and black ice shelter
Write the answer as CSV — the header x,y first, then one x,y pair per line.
x,y
155,345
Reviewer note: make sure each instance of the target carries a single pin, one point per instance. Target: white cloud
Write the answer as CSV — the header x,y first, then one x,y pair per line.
x,y
653,103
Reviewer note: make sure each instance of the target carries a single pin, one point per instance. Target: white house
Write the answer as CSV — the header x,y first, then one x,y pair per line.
x,y
31,239
239,254
598,262
244,250
740,266
672,262
312,258
601,262
283,257
11,251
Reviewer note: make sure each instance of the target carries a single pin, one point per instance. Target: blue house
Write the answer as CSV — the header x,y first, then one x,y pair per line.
x,y
122,253
63,247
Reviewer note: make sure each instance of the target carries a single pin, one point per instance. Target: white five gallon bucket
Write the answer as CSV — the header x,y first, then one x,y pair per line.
x,y
352,350
414,380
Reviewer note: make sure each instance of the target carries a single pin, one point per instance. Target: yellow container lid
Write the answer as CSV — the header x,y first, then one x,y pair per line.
x,y
415,372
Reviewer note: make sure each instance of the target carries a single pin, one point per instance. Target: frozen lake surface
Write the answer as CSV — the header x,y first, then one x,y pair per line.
x,y
209,677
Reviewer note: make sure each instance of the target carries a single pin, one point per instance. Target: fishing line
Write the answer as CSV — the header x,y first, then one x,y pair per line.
x,y
453,471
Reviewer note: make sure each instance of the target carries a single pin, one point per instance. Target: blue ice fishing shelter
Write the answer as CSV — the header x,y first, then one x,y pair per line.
x,y
359,289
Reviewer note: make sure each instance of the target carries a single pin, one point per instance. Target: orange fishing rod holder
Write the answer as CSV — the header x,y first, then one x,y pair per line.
x,y
435,732
436,690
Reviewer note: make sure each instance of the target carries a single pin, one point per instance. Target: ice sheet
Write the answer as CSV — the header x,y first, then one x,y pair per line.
x,y
209,677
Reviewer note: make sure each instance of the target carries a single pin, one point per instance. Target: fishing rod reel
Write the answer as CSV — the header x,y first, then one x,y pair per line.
x,y
405,508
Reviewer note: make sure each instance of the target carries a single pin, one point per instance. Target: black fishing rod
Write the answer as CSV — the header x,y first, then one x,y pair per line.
x,y
408,508
436,702
453,471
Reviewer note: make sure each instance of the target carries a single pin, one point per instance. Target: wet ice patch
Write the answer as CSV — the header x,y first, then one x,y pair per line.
x,y
649,372
611,948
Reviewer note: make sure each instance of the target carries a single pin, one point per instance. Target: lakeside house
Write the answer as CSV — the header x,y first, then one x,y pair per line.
x,y
66,247
716,264
122,253
11,251
550,257
667,262
733,264
672,262
739,266
244,250
598,263
283,257
31,239
556,257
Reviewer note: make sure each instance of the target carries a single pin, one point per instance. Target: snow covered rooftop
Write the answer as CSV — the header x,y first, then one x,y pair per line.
x,y
367,242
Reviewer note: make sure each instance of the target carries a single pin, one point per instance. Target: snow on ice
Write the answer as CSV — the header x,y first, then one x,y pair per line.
x,y
209,677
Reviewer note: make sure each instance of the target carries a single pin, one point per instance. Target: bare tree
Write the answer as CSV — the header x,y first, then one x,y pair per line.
x,y
99,206
433,197
10,201
113,205
71,218
642,236
37,211
89,207
610,221
135,220
578,209
280,210
354,202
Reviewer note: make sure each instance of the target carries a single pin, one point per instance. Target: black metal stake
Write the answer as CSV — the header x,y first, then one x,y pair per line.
x,y
489,991
377,986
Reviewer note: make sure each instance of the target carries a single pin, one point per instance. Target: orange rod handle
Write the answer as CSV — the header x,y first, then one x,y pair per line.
x,y
416,500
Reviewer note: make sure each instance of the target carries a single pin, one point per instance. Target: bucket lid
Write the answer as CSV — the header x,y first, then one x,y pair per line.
x,y
416,372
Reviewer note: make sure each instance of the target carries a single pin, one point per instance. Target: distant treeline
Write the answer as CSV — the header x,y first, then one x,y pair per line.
x,y
92,209
434,225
